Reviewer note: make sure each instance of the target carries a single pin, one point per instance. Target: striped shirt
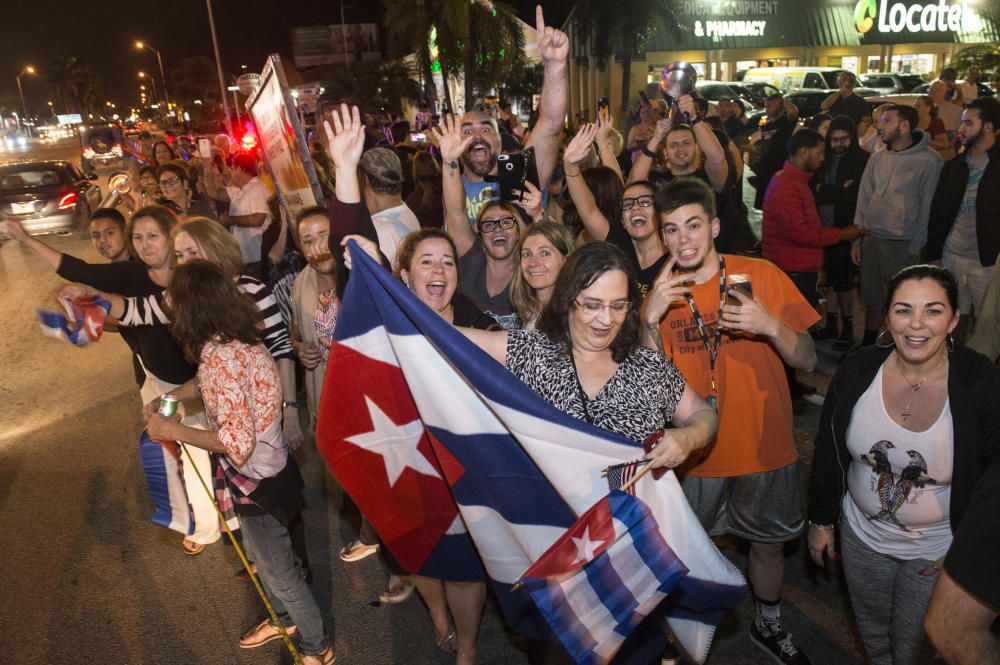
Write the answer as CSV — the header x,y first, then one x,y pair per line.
x,y
149,311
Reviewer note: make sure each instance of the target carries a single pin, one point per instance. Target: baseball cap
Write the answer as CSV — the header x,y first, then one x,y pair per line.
x,y
383,167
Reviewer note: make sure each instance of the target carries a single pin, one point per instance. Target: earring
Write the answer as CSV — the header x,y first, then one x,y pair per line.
x,y
882,345
949,343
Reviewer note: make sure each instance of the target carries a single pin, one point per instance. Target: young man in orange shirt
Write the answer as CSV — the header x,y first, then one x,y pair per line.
x,y
730,347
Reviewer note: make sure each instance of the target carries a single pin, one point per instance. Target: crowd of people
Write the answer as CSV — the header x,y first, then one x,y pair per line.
x,y
626,287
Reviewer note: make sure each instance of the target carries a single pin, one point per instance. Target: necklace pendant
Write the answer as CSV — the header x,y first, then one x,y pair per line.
x,y
906,412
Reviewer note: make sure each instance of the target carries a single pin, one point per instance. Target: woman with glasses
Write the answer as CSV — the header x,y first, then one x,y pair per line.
x,y
175,187
634,229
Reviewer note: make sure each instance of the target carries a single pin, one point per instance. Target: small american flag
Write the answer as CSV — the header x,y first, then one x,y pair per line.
x,y
619,474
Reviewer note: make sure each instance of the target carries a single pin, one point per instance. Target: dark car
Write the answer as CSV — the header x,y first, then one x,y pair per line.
x,y
101,145
891,84
808,101
759,92
47,196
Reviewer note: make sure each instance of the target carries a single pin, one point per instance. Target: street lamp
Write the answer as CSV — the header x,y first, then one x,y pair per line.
x,y
24,109
159,60
152,80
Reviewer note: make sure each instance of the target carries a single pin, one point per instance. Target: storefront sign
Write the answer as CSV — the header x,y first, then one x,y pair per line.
x,y
898,17
730,28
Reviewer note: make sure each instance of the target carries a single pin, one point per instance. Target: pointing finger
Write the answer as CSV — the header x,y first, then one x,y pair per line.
x,y
539,21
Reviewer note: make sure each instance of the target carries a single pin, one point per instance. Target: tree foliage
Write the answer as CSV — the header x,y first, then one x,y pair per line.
x,y
376,86
985,57
194,78
74,86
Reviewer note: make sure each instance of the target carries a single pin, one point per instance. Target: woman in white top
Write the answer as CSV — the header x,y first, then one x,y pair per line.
x,y
908,427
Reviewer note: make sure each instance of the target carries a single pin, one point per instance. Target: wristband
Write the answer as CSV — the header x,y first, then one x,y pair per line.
x,y
285,405
571,175
695,120
823,527
646,151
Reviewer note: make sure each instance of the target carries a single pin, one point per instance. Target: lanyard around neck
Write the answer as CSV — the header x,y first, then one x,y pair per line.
x,y
712,346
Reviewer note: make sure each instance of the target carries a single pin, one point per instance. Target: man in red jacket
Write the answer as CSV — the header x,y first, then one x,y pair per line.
x,y
792,235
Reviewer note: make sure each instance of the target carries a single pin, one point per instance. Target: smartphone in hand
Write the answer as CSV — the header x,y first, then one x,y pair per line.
x,y
739,283
204,149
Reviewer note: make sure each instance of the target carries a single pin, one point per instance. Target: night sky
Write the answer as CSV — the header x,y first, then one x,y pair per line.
x,y
101,33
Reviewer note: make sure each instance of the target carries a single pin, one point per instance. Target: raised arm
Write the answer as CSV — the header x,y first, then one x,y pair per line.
x,y
13,228
644,161
593,219
715,157
493,342
605,126
452,144
345,141
553,47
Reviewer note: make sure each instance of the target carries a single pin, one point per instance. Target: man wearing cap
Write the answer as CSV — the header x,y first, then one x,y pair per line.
x,y
382,186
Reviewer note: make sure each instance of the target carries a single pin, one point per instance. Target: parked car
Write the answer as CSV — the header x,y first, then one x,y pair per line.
x,y
101,145
759,92
795,78
48,196
984,90
891,84
716,91
809,101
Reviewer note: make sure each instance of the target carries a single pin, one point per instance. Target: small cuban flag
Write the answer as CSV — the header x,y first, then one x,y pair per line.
x,y
82,323
603,577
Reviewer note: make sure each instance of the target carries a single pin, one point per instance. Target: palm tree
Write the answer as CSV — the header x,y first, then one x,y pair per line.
x,y
75,86
410,25
483,41
623,26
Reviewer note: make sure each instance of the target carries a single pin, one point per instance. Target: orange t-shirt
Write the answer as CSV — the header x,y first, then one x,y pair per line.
x,y
755,408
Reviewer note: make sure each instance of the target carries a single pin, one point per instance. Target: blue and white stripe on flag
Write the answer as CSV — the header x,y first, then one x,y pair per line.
x,y
520,470
82,323
161,463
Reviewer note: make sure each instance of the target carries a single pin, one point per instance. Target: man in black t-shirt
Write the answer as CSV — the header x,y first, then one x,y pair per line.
x,y
845,101
966,601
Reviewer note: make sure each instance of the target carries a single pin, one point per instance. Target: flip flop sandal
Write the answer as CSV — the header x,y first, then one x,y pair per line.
x,y
325,658
447,643
192,548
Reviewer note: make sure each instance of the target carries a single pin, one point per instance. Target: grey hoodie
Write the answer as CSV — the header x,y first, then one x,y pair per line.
x,y
894,201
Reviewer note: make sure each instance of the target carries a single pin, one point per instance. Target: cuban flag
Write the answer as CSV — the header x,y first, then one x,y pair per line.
x,y
606,574
82,323
437,443
162,464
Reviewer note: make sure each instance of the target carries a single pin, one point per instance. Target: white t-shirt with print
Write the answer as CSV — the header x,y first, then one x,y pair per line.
x,y
248,200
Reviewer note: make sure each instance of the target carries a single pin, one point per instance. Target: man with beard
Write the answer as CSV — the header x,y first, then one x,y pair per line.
x,y
747,484
963,232
768,152
694,150
836,185
482,134
894,202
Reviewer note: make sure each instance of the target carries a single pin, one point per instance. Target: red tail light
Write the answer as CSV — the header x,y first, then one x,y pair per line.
x,y
67,201
249,142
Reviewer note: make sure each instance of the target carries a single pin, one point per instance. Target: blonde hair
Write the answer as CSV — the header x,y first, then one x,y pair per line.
x,y
523,296
217,244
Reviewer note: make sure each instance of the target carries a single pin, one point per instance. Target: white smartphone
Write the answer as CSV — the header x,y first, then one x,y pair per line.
x,y
205,149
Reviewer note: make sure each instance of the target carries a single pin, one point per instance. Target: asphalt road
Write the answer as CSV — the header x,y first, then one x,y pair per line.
x,y
86,578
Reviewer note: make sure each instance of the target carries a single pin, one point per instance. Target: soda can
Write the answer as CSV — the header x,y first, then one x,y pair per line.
x,y
168,406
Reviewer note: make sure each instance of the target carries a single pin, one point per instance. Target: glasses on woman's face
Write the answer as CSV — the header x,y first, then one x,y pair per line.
x,y
494,225
591,307
643,201
169,182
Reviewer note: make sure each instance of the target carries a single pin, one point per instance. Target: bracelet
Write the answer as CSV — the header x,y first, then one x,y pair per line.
x,y
285,405
646,151
823,527
571,175
695,120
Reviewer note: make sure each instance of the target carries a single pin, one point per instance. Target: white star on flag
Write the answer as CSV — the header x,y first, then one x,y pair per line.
x,y
585,547
397,444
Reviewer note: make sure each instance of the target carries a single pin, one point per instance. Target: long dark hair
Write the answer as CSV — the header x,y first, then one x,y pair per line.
x,y
582,269
941,276
204,303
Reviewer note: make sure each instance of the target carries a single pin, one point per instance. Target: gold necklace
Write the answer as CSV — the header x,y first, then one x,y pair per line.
x,y
914,387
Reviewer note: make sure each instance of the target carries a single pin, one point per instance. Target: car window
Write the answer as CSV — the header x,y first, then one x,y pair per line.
x,y
813,80
28,177
714,93
830,79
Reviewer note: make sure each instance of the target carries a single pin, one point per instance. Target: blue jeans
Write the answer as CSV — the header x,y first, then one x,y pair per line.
x,y
268,545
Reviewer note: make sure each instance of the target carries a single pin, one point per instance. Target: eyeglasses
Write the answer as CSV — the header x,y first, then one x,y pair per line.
x,y
644,201
617,309
170,181
493,225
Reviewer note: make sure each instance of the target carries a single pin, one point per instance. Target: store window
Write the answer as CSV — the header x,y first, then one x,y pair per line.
x,y
920,63
848,62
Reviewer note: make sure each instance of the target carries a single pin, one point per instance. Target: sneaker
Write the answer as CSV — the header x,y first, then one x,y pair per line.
x,y
398,589
779,646
356,551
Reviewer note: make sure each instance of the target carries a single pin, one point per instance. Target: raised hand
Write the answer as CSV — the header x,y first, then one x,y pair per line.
x,y
668,289
686,105
530,200
579,148
553,44
345,140
750,316
660,132
366,245
450,140
605,124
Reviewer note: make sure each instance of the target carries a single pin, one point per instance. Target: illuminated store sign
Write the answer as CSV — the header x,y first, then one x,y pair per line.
x,y
729,28
901,17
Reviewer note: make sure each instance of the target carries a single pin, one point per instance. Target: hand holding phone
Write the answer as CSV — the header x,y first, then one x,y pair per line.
x,y
739,283
204,149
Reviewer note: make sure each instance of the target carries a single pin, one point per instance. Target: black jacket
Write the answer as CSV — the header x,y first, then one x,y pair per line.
x,y
851,166
773,153
974,399
948,199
